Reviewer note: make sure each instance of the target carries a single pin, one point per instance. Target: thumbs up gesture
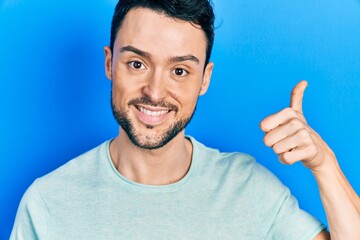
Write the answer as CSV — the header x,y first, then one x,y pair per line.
x,y
292,139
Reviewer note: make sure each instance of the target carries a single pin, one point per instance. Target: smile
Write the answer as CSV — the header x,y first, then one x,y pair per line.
x,y
152,113
152,116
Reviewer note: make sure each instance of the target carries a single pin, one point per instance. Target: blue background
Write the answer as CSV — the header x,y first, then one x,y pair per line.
x,y
54,96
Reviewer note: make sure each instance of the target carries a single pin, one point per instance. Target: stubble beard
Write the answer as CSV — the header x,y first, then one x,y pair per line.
x,y
146,142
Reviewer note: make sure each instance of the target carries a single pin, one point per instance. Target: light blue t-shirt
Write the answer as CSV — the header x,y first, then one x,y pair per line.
x,y
223,196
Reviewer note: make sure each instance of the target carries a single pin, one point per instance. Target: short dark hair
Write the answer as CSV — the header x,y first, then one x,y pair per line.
x,y
199,12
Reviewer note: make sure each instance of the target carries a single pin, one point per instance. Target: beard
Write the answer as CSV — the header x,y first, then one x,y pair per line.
x,y
139,139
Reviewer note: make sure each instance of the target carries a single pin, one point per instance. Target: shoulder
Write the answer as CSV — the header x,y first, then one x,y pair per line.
x,y
78,167
56,188
215,158
73,178
238,170
237,166
209,154
32,215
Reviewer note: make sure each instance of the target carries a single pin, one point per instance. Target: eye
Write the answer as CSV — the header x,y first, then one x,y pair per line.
x,y
136,65
180,72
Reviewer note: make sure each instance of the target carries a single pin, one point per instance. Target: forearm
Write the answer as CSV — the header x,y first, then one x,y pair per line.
x,y
340,201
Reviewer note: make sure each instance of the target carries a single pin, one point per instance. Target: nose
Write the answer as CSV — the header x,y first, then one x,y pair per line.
x,y
155,88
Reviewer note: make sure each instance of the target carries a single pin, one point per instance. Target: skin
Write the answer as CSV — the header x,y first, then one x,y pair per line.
x,y
145,63
293,140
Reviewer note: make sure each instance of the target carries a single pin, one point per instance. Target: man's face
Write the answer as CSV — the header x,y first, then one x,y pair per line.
x,y
157,73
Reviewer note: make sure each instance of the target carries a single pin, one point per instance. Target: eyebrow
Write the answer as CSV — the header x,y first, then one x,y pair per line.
x,y
184,58
136,51
174,59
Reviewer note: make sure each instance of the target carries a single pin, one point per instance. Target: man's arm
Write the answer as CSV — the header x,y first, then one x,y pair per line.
x,y
289,135
32,216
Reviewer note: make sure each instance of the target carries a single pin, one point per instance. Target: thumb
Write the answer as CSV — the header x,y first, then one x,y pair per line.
x,y
297,94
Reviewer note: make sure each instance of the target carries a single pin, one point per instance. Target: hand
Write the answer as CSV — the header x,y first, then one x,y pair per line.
x,y
292,139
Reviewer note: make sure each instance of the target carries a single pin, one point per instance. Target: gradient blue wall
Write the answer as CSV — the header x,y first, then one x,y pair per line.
x,y
54,97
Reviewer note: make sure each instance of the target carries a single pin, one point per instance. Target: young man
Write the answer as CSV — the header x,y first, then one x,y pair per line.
x,y
152,181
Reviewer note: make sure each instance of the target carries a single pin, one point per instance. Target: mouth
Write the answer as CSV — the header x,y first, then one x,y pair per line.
x,y
152,116
152,113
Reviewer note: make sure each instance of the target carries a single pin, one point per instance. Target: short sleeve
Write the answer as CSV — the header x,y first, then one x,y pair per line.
x,y
286,219
291,222
32,216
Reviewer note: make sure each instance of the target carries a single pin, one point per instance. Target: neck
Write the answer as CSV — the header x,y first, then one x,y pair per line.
x,y
162,166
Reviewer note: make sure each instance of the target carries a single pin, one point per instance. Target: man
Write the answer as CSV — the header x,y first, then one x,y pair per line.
x,y
152,181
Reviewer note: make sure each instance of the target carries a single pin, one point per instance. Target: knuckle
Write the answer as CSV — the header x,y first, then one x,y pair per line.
x,y
281,159
303,134
267,141
285,159
289,111
263,125
277,149
295,123
313,150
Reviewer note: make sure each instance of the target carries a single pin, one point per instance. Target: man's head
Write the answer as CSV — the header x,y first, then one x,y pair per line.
x,y
198,12
158,64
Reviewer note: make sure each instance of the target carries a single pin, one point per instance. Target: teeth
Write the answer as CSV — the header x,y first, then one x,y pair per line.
x,y
151,113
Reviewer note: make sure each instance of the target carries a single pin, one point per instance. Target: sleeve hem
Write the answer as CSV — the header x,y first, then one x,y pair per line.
x,y
311,235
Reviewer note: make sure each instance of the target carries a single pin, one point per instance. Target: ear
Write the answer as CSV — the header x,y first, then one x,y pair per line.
x,y
108,60
206,78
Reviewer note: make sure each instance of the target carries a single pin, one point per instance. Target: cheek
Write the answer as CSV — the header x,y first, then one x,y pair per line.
x,y
121,92
187,94
188,101
189,86
123,86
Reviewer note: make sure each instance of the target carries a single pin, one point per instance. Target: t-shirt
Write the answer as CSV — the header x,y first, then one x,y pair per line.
x,y
222,196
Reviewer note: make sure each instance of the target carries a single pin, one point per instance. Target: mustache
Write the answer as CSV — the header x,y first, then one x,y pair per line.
x,y
147,101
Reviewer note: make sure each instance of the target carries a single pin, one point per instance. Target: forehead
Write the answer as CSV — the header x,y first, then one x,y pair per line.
x,y
160,34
